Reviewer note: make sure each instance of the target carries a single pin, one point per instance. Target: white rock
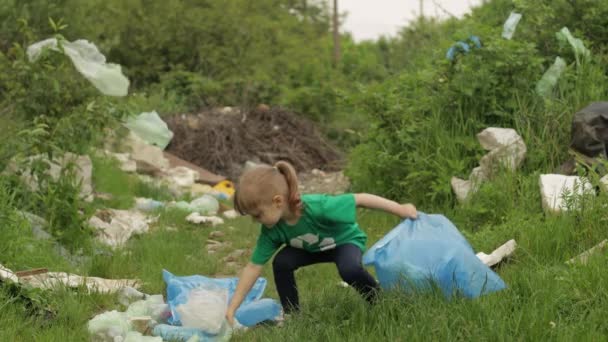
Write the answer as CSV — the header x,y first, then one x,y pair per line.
x,y
83,167
554,187
506,149
123,224
143,152
583,258
604,183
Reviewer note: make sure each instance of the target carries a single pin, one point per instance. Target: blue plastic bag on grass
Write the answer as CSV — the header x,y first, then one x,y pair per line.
x,y
252,311
430,250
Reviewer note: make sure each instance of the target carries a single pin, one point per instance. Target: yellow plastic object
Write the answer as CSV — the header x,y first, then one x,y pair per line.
x,y
225,187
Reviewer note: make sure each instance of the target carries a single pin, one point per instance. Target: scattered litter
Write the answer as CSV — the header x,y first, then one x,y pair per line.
x,y
146,156
226,141
604,183
109,326
134,336
198,219
252,311
463,47
510,25
224,189
140,318
583,258
204,176
31,272
231,214
430,250
200,189
128,294
8,275
182,334
147,204
106,77
580,51
204,205
151,128
320,182
141,324
217,234
499,253
558,191
181,179
114,227
258,311
215,301
83,168
126,164
545,85
506,149
235,255
50,280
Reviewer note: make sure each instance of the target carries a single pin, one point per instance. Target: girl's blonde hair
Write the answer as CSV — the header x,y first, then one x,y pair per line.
x,y
260,184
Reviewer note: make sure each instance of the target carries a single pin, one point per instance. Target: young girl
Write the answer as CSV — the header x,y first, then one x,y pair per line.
x,y
314,228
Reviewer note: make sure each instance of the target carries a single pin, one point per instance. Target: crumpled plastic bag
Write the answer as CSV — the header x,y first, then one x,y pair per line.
x,y
205,309
116,326
510,25
109,325
151,128
428,251
252,311
173,333
106,77
134,336
580,51
545,85
153,306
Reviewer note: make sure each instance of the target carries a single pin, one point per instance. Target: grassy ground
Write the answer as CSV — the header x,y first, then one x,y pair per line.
x,y
546,299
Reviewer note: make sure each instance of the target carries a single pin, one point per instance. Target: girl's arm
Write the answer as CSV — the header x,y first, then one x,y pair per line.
x,y
376,202
250,274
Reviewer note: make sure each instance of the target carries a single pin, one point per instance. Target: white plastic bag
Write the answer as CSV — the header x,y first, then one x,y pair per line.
x,y
204,309
106,77
510,25
545,85
151,128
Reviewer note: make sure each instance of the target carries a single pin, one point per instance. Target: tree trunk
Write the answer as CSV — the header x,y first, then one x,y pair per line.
x,y
336,34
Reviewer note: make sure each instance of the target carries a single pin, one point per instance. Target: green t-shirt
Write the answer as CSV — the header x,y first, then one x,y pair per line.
x,y
326,222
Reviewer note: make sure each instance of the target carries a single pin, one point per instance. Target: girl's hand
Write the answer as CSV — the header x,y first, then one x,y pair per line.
x,y
230,317
408,210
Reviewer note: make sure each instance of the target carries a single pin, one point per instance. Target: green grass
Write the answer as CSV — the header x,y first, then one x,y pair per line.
x,y
545,299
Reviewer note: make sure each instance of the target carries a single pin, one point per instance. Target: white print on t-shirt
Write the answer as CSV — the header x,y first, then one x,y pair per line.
x,y
312,239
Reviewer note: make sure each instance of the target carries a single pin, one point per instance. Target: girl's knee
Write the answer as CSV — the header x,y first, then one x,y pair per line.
x,y
351,272
282,263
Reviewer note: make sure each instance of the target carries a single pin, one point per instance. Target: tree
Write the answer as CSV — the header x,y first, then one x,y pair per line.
x,y
336,27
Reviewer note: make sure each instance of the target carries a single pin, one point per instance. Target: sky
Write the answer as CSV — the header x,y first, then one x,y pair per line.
x,y
369,19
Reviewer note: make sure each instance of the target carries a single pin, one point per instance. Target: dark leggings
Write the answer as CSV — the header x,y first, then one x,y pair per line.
x,y
346,257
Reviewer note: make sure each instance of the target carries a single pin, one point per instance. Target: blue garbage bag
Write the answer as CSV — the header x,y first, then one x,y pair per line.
x,y
252,311
173,333
258,311
430,251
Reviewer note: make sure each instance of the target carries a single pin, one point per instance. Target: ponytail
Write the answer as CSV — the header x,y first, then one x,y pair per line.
x,y
293,192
